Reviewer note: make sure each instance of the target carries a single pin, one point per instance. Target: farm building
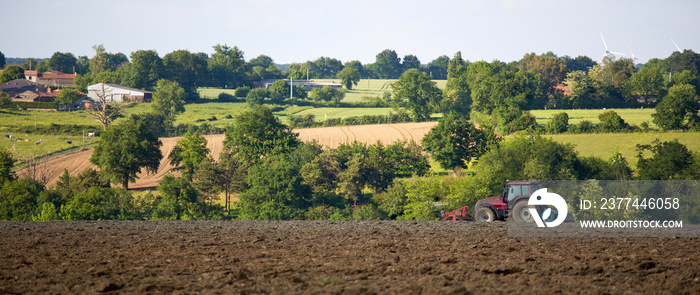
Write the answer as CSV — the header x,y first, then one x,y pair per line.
x,y
17,86
118,93
309,85
31,95
50,78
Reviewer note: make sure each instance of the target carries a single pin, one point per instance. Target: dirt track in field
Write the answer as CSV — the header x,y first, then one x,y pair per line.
x,y
308,257
328,136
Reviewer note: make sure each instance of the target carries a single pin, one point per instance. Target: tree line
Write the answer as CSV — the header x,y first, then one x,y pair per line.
x,y
273,175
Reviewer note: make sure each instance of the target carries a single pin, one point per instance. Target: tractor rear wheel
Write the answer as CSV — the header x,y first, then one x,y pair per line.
x,y
521,212
485,215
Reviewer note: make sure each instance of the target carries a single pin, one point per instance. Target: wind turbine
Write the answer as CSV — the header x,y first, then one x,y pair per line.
x,y
674,44
634,58
607,51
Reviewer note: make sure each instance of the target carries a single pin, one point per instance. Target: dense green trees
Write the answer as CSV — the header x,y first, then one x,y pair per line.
x,y
437,68
679,109
388,64
169,99
11,73
417,92
454,142
6,165
69,96
64,62
187,69
188,154
125,149
669,160
349,77
559,123
145,69
257,134
327,94
226,67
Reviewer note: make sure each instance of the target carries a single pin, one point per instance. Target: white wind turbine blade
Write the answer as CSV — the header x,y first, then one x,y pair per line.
x,y
604,44
634,58
674,44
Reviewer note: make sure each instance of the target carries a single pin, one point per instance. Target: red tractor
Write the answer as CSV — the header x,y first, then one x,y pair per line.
x,y
513,203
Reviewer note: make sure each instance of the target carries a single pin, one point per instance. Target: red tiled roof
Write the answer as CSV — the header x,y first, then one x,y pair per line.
x,y
41,94
58,75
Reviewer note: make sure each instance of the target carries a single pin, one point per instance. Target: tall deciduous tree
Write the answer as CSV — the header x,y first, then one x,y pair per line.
x,y
356,64
326,67
418,93
262,61
178,195
145,70
125,149
679,109
169,99
64,62
277,190
438,67
410,61
6,164
669,160
103,61
187,69
349,77
552,70
454,142
388,64
227,66
648,82
188,153
257,134
11,73
454,65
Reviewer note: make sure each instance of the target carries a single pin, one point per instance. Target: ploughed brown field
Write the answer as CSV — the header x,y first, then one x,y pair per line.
x,y
329,257
328,136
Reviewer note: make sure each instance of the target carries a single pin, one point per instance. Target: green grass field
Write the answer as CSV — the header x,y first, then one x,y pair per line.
x,y
25,144
329,113
371,88
213,93
631,116
603,145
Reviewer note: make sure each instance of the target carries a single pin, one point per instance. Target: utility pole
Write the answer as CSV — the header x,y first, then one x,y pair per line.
x,y
291,87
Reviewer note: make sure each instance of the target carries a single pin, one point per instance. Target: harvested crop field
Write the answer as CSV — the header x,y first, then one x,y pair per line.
x,y
329,257
329,136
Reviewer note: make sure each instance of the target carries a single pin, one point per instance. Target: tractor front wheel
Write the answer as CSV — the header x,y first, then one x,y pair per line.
x,y
521,212
485,215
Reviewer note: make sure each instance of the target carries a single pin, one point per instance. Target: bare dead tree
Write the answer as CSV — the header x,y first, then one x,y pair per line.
x,y
105,110
38,168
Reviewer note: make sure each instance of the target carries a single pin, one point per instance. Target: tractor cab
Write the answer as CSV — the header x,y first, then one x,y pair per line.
x,y
515,194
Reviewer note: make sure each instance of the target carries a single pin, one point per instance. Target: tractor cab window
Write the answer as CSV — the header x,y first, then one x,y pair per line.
x,y
515,191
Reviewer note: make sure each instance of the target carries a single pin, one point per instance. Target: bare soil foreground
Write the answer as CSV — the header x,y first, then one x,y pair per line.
x,y
328,136
306,257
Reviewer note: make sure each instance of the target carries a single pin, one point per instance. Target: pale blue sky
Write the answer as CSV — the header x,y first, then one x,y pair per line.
x,y
297,31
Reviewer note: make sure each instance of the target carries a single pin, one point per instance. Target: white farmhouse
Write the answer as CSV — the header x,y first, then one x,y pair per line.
x,y
118,93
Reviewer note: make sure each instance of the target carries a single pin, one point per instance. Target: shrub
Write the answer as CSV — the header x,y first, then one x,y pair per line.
x,y
225,97
242,91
